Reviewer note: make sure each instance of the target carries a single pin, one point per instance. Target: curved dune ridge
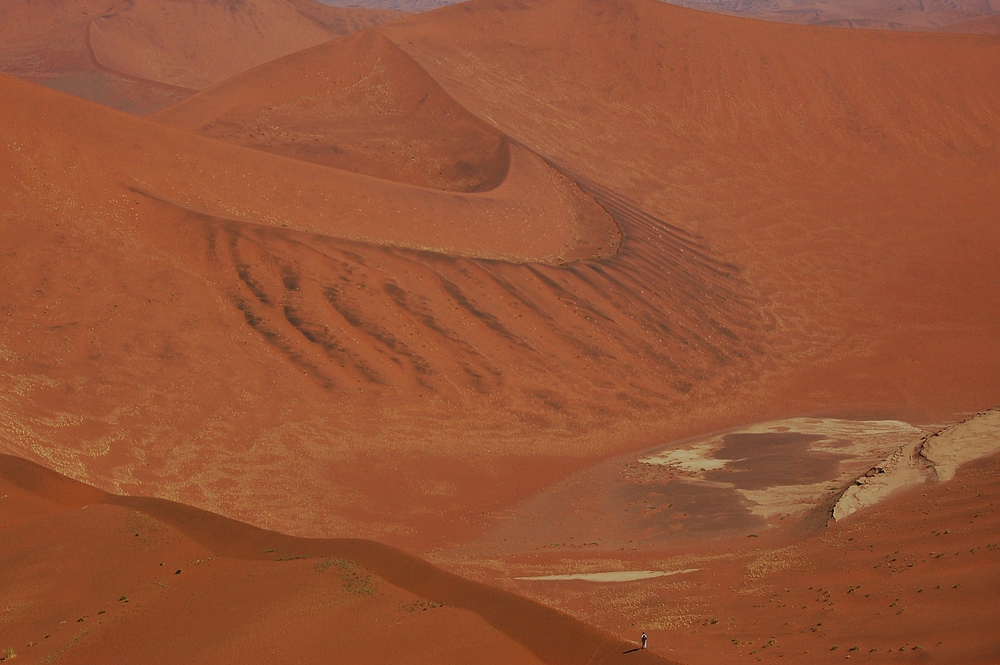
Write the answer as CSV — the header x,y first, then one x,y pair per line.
x,y
142,56
550,636
195,44
358,104
276,288
422,284
536,214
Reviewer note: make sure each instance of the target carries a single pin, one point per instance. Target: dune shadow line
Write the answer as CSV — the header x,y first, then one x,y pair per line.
x,y
553,636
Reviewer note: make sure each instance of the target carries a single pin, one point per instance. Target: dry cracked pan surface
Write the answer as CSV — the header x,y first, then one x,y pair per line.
x,y
449,281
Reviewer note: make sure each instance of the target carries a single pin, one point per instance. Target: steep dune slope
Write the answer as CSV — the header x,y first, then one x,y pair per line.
x,y
534,214
855,192
358,104
152,54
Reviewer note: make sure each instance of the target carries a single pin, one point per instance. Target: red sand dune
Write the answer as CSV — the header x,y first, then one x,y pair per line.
x,y
95,577
854,193
624,223
195,44
803,244
358,104
811,245
142,56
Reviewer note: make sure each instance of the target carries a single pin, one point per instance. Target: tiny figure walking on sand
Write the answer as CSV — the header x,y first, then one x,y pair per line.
x,y
643,640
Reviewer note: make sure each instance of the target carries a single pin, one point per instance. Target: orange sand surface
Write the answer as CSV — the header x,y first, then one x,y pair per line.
x,y
94,577
142,56
489,284
262,323
910,580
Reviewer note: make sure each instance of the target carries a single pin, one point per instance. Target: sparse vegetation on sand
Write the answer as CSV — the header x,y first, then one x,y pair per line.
x,y
356,579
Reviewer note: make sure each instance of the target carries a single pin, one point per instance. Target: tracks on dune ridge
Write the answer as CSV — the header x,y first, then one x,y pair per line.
x,y
554,637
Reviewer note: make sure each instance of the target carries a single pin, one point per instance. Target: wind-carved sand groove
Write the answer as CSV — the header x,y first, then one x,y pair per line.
x,y
362,315
665,296
355,315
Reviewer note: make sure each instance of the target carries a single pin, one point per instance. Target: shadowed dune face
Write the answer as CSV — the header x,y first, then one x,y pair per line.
x,y
536,215
48,43
262,323
142,56
533,237
358,104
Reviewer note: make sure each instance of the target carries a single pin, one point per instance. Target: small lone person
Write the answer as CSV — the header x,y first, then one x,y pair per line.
x,y
643,638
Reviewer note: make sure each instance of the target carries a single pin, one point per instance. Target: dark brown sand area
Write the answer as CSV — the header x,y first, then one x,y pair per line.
x,y
499,291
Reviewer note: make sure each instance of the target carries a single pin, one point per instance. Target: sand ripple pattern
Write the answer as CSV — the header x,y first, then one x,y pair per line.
x,y
353,315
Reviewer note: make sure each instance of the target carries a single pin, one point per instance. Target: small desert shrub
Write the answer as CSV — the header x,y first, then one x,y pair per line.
x,y
356,579
9,654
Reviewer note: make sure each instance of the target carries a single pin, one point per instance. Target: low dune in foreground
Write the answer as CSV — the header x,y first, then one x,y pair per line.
x,y
94,577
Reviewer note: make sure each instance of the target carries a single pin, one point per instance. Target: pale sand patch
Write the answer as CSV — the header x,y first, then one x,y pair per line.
x,y
777,501
904,467
936,455
859,444
971,439
612,576
695,459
